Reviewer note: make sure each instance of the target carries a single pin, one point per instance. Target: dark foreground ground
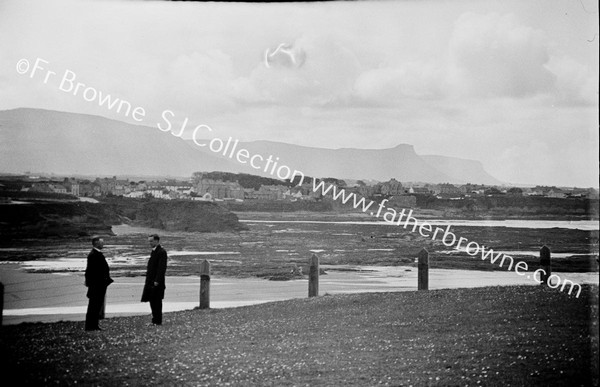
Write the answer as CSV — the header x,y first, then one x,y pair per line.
x,y
499,336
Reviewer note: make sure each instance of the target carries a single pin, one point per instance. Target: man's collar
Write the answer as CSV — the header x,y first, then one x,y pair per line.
x,y
154,248
97,249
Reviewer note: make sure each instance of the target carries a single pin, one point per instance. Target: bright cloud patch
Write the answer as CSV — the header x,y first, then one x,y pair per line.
x,y
492,55
392,84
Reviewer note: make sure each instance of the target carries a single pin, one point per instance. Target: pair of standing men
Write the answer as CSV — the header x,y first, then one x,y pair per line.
x,y
97,279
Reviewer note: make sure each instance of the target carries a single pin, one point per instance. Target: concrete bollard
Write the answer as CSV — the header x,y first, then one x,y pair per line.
x,y
546,264
205,285
313,277
423,276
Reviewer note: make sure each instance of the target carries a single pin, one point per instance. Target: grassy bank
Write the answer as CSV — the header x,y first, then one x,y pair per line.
x,y
488,336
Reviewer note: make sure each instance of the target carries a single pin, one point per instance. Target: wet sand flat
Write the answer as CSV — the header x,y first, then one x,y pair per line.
x,y
47,297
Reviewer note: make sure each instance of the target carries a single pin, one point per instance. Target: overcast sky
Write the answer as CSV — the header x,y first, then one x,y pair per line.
x,y
513,84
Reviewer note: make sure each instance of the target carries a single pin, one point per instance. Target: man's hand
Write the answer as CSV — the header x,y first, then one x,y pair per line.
x,y
155,283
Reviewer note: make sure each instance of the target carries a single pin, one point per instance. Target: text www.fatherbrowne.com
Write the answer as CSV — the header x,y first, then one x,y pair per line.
x,y
70,84
449,239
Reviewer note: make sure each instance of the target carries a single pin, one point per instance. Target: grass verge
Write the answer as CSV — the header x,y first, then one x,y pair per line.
x,y
496,336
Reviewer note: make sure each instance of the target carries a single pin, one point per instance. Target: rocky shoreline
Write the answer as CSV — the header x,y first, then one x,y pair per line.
x,y
69,219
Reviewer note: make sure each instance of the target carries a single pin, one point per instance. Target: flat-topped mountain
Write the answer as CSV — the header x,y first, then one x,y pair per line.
x,y
69,143
400,162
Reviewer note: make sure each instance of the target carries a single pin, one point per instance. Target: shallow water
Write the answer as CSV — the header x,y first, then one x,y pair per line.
x,y
516,253
52,297
117,261
588,225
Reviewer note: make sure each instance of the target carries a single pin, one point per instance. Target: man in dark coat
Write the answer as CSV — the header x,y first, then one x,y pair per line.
x,y
154,288
97,279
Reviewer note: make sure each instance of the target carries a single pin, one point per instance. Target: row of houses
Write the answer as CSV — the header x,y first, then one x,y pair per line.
x,y
218,189
473,190
211,189
447,190
205,189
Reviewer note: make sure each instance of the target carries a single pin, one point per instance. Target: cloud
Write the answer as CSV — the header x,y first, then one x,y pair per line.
x,y
576,84
200,79
493,55
487,56
391,85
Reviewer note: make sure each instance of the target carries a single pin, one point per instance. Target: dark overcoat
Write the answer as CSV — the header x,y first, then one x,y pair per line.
x,y
97,274
157,267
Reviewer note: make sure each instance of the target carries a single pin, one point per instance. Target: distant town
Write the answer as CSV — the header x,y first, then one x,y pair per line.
x,y
222,186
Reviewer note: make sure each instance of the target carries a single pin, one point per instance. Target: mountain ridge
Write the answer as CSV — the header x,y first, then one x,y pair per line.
x,y
73,143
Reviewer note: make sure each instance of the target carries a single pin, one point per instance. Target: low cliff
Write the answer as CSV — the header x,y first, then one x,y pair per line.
x,y
176,215
55,219
79,219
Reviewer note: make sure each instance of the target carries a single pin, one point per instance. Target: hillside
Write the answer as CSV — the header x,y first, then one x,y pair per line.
x,y
461,170
400,162
68,143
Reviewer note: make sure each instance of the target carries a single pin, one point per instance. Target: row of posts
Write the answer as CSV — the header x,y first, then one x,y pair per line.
x,y
313,281
423,266
313,277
